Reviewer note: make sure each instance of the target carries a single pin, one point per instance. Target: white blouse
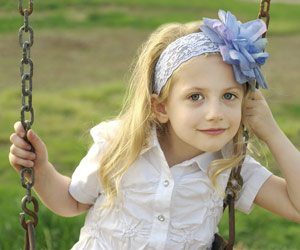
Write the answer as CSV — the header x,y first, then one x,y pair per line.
x,y
159,207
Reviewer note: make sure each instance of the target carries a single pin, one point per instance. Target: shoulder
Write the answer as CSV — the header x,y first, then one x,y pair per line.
x,y
254,170
254,176
105,130
251,163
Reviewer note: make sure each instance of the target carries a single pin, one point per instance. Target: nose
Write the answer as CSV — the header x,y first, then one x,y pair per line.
x,y
214,111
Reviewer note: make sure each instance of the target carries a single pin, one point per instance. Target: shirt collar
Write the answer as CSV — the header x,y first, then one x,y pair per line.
x,y
104,129
203,160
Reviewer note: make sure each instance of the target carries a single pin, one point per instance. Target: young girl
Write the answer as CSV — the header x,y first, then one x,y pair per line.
x,y
155,176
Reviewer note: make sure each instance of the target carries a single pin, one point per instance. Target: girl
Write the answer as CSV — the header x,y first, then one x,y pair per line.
x,y
155,176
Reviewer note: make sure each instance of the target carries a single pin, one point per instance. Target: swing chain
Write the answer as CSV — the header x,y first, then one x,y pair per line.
x,y
264,13
22,11
26,71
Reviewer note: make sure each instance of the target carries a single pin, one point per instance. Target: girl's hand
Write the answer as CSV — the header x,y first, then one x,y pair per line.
x,y
258,116
20,154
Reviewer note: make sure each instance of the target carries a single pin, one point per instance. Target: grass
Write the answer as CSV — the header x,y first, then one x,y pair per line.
x,y
82,53
65,147
64,127
141,14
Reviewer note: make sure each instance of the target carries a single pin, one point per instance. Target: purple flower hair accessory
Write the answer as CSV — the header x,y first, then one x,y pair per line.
x,y
241,45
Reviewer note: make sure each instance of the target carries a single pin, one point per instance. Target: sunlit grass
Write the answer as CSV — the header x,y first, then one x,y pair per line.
x,y
142,14
64,127
79,81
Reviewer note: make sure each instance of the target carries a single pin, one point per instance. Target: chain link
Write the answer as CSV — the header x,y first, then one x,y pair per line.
x,y
22,11
26,38
264,13
235,182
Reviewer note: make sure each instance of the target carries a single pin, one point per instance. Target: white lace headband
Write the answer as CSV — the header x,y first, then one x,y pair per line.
x,y
178,52
240,44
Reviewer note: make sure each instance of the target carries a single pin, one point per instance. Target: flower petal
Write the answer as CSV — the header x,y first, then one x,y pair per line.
x,y
241,45
212,35
239,77
222,16
232,25
260,44
260,78
240,59
260,58
249,57
225,53
253,29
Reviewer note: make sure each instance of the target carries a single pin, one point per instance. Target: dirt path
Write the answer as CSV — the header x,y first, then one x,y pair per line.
x,y
72,57
89,57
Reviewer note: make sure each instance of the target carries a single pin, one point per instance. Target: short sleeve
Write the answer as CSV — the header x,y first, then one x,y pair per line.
x,y
85,185
254,176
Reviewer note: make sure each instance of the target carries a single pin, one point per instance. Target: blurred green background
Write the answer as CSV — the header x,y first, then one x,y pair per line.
x,y
81,53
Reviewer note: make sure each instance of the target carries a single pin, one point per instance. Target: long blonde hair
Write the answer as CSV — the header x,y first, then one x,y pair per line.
x,y
137,118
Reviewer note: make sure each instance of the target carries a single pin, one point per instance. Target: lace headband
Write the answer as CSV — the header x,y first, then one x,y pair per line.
x,y
240,45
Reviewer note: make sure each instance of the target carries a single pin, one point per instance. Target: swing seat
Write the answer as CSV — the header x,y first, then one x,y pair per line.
x,y
219,242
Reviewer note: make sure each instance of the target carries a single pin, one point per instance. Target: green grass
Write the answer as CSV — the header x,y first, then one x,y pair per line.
x,y
142,14
64,127
80,64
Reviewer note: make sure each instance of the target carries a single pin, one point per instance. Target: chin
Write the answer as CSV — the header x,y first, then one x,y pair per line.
x,y
212,148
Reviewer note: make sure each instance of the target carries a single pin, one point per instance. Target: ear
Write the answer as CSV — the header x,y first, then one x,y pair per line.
x,y
159,109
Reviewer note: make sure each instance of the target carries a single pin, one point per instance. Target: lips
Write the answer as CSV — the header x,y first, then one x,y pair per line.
x,y
215,131
212,129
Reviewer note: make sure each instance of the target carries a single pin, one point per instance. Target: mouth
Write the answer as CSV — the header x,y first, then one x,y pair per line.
x,y
215,131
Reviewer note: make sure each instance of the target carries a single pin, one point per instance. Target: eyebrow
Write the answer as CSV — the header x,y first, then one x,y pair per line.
x,y
205,90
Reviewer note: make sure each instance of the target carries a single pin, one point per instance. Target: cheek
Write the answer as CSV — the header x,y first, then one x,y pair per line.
x,y
182,120
235,117
178,119
185,117
177,111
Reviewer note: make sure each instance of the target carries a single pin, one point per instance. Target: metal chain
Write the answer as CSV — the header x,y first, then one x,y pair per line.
x,y
264,13
26,70
265,16
235,182
233,191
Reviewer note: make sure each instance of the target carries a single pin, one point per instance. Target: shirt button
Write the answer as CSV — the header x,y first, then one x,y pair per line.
x,y
166,183
161,218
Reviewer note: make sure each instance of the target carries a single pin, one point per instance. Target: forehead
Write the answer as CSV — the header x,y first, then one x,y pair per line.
x,y
205,71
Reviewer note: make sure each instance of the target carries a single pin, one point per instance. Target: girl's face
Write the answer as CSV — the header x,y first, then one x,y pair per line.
x,y
204,95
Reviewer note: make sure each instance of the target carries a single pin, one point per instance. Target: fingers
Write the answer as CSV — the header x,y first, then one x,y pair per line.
x,y
27,153
19,142
256,95
20,151
17,162
20,157
19,129
254,100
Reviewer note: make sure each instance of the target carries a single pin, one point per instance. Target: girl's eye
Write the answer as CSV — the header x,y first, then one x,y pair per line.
x,y
198,97
195,97
228,96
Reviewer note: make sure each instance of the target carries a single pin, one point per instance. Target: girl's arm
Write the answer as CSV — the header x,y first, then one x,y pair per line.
x,y
288,159
278,195
53,190
51,186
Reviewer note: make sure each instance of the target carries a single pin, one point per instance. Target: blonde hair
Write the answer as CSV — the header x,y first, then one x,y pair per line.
x,y
137,118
